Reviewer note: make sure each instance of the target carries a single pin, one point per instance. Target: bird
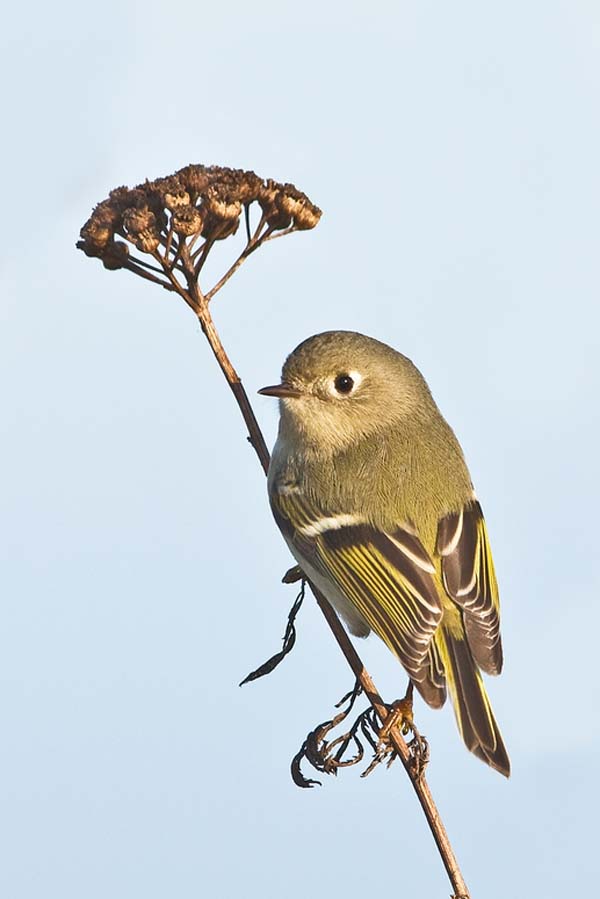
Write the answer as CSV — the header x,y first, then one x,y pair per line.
x,y
369,487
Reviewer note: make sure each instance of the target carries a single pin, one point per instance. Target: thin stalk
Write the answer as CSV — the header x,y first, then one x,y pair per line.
x,y
248,249
137,270
419,783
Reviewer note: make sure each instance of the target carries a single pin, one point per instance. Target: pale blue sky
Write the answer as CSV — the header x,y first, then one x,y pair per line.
x,y
454,150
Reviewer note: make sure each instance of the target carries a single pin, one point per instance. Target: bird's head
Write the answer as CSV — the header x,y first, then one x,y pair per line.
x,y
340,386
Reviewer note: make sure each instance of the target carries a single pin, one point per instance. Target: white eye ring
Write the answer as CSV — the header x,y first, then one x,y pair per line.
x,y
354,376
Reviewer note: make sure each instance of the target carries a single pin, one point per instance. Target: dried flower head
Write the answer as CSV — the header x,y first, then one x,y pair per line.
x,y
117,256
270,199
176,199
187,220
177,219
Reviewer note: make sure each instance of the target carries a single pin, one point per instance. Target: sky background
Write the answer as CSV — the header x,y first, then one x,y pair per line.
x,y
454,150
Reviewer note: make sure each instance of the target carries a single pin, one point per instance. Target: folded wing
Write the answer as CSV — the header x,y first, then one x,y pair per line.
x,y
389,578
470,581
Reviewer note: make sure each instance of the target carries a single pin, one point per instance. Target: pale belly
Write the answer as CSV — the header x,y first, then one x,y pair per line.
x,y
351,617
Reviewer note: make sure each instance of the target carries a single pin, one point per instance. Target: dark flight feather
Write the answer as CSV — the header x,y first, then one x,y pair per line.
x,y
470,581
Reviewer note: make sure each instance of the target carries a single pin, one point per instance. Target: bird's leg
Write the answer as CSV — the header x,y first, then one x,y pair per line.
x,y
401,716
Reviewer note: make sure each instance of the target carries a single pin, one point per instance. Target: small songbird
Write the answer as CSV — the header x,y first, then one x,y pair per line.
x,y
370,489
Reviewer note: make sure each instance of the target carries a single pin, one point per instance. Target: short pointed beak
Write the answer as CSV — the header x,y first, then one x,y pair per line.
x,y
281,390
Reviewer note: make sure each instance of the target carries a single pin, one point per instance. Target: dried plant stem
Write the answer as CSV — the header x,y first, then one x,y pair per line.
x,y
174,213
419,783
253,244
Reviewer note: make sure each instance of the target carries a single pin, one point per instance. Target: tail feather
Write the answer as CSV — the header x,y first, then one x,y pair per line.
x,y
472,707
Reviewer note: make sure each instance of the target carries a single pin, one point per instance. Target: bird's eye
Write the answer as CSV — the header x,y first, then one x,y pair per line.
x,y
343,383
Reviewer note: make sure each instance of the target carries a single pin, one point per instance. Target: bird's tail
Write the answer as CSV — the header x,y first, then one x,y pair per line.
x,y
472,707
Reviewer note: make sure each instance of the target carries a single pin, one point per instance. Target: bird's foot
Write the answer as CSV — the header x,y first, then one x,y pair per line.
x,y
400,715
419,752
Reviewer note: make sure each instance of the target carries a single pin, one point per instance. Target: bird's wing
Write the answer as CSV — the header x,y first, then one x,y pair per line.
x,y
469,579
387,576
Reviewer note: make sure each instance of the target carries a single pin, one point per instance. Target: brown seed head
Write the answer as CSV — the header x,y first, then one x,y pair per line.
x,y
116,256
248,187
296,204
221,212
270,200
187,220
196,199
147,240
95,237
136,219
176,199
194,178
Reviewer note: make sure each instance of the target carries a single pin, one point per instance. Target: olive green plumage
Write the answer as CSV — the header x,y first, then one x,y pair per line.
x,y
369,486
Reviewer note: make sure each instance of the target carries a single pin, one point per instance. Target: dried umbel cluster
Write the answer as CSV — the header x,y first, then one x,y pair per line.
x,y
179,218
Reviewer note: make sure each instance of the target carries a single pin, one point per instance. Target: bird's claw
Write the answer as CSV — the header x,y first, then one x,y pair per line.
x,y
419,752
400,715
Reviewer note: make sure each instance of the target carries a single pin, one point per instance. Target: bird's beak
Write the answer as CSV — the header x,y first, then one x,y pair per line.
x,y
283,391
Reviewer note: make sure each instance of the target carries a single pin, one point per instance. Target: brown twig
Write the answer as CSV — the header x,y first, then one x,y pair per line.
x,y
249,248
207,202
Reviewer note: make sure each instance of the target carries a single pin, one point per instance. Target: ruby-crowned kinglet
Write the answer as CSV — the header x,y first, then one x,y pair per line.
x,y
370,489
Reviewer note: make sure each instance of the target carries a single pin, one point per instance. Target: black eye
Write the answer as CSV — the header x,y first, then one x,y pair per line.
x,y
343,383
